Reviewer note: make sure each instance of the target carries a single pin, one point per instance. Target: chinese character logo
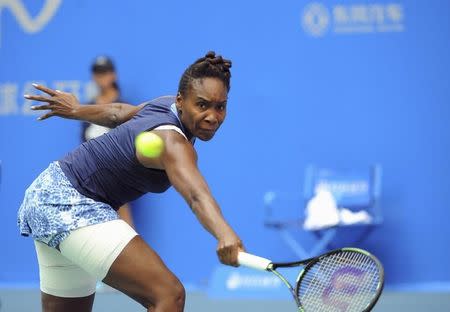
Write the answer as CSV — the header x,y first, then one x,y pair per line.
x,y
368,18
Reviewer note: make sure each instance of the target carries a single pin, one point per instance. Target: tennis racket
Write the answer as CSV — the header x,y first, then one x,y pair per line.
x,y
342,280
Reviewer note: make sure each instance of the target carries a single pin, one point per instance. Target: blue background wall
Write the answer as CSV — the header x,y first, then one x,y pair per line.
x,y
340,99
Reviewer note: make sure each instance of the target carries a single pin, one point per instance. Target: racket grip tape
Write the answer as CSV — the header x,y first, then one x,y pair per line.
x,y
253,262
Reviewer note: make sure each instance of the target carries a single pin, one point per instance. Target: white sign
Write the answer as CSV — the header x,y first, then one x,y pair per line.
x,y
319,19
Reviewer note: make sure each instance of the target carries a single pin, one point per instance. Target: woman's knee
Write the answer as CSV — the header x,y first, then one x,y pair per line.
x,y
178,296
171,294
174,291
178,292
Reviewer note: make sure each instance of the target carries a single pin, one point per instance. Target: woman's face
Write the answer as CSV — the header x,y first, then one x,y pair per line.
x,y
203,108
104,80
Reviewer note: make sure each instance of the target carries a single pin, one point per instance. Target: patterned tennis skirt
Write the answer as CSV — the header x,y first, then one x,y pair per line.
x,y
52,208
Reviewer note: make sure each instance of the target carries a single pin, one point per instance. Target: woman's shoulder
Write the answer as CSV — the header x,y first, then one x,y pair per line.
x,y
158,106
165,100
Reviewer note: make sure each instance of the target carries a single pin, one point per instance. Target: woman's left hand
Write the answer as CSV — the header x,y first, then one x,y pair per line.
x,y
60,103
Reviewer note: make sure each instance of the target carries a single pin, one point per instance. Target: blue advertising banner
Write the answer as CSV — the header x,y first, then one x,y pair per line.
x,y
336,83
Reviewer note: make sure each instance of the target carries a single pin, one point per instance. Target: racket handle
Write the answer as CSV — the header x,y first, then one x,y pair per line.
x,y
252,261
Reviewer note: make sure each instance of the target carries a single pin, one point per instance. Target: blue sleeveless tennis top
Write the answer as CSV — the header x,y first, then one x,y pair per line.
x,y
106,168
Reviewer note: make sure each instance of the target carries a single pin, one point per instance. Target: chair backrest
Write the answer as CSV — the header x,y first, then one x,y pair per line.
x,y
354,188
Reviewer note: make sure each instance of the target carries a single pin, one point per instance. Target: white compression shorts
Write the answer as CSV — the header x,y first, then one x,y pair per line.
x,y
85,258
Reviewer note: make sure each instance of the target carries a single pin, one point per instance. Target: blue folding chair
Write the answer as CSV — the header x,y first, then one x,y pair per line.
x,y
355,189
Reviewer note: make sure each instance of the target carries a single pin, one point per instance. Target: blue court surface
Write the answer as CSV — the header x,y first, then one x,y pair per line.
x,y
19,300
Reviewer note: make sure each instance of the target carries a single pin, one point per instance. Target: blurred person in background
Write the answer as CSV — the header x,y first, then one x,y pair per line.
x,y
104,75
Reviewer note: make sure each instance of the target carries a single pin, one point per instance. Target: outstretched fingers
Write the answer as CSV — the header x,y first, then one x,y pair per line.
x,y
45,116
39,98
53,98
45,89
48,106
41,107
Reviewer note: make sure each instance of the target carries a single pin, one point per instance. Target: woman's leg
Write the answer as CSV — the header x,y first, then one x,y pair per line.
x,y
65,287
114,253
59,304
140,273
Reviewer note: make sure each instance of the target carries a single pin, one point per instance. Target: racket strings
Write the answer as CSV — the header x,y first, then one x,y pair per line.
x,y
346,281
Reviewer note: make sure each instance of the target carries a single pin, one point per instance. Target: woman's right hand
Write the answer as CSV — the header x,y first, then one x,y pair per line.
x,y
228,248
60,103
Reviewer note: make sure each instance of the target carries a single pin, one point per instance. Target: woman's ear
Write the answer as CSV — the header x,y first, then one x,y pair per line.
x,y
179,103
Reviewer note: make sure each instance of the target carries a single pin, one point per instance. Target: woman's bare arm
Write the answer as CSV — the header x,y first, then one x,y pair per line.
x,y
66,105
179,160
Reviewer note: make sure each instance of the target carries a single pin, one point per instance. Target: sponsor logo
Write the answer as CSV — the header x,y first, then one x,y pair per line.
x,y
251,281
349,188
29,24
315,19
319,19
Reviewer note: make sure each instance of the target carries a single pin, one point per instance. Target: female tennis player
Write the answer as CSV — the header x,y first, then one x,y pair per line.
x,y
70,209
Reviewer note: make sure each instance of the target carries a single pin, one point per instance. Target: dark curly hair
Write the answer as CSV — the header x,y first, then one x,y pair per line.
x,y
209,66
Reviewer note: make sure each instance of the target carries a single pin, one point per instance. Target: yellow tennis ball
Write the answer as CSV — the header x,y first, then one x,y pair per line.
x,y
149,144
